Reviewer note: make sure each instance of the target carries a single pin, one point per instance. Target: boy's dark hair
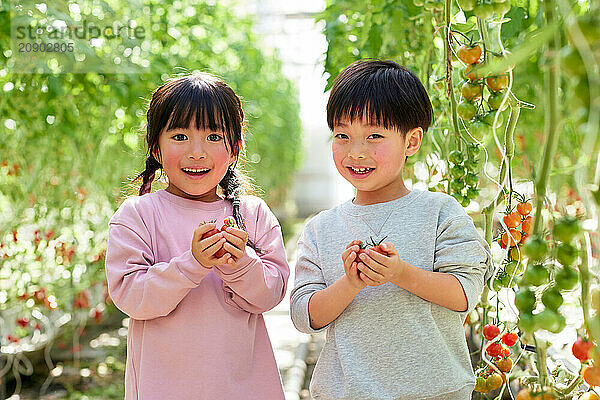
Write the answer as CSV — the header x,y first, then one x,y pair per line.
x,y
211,104
383,93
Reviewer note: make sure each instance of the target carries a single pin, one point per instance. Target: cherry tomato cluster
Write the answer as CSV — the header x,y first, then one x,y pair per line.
x,y
519,224
485,8
564,278
463,177
498,348
371,244
471,108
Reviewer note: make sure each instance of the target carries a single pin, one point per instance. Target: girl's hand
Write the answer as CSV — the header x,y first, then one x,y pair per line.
x,y
351,266
235,244
204,249
377,269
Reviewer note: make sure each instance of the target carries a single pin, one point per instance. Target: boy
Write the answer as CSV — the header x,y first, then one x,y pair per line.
x,y
394,317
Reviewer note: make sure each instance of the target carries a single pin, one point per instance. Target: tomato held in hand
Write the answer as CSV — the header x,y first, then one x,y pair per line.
x,y
469,54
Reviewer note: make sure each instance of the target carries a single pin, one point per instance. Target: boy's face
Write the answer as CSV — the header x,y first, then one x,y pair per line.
x,y
371,158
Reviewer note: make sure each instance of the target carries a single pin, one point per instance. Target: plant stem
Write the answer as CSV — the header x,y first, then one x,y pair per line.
x,y
450,92
552,118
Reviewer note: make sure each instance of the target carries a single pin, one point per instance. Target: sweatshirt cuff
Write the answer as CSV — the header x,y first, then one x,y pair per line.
x,y
232,272
303,317
470,293
190,267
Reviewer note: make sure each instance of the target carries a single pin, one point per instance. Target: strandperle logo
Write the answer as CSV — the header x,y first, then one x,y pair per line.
x,y
86,36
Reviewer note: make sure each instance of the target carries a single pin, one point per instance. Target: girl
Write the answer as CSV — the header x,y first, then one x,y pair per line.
x,y
196,329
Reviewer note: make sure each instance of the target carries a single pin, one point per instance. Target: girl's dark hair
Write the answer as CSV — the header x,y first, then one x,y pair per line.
x,y
212,105
383,92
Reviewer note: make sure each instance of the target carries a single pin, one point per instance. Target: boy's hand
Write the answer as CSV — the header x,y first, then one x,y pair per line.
x,y
377,269
204,249
235,244
351,265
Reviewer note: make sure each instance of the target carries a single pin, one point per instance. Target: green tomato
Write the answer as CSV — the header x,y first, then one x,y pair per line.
x,y
456,157
514,268
465,201
483,10
457,171
471,164
478,128
552,298
489,117
536,275
525,300
535,248
457,184
506,280
495,284
467,5
548,320
526,323
473,150
466,110
566,278
495,100
472,193
501,8
566,253
471,179
566,228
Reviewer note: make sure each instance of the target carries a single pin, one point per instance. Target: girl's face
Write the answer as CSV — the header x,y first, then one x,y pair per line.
x,y
372,158
195,161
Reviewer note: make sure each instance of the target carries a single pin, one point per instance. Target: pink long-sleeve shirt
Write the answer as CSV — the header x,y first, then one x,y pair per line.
x,y
195,332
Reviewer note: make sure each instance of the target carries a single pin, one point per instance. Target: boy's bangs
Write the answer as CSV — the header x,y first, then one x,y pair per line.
x,y
371,106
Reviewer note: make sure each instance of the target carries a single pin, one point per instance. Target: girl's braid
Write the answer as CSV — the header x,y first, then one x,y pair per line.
x,y
232,187
148,174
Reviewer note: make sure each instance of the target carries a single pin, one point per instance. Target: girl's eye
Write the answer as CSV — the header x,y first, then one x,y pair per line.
x,y
341,136
213,137
375,136
179,137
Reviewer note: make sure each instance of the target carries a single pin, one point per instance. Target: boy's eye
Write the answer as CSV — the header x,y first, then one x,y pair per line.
x,y
341,136
179,137
213,137
375,136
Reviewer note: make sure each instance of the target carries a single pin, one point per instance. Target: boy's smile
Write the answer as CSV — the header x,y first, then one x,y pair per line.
x,y
372,158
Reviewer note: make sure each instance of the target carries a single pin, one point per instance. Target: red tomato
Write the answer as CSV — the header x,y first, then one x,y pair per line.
x,y
490,331
581,349
512,220
591,375
494,349
510,338
524,208
511,241
527,225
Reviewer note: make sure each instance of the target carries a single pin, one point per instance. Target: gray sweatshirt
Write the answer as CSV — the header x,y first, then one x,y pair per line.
x,y
389,343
